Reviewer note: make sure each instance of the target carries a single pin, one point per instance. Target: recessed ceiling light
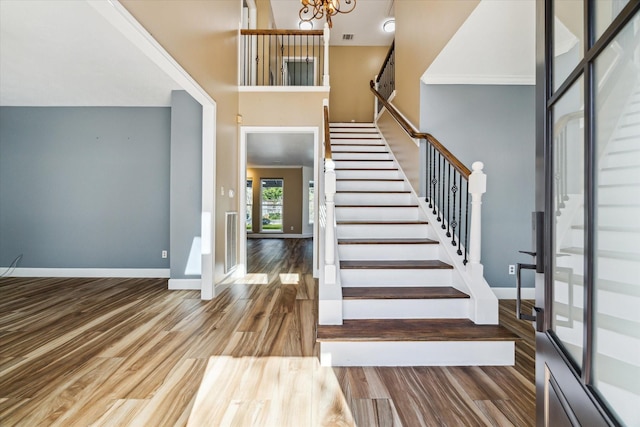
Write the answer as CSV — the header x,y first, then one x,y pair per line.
x,y
389,26
305,25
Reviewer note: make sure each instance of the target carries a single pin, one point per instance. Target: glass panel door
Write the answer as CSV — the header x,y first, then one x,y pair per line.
x,y
569,213
616,354
271,203
249,204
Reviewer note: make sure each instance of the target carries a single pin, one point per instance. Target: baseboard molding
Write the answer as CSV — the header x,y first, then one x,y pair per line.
x,y
510,293
185,284
90,272
278,236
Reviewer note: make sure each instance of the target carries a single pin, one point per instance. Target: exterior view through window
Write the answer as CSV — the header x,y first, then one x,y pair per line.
x,y
249,203
271,197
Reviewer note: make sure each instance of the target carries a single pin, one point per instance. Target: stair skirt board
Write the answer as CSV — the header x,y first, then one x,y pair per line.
x,y
414,353
406,309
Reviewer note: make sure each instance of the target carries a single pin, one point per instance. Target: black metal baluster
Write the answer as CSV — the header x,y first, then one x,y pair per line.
x,y
453,222
434,181
460,216
466,229
447,208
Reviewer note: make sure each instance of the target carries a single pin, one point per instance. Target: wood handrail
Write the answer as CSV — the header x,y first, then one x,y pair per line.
x,y
406,126
281,32
386,59
327,134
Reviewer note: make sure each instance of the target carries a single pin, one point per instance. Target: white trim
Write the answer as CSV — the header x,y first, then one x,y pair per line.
x,y
91,272
510,293
185,284
284,89
480,79
278,236
274,167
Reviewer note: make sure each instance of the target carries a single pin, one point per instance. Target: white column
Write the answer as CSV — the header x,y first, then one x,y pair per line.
x,y
330,235
325,80
477,187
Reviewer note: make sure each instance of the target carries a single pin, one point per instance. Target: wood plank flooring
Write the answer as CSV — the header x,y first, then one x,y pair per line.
x,y
116,352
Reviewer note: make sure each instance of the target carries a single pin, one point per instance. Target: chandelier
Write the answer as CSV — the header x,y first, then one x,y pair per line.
x,y
316,9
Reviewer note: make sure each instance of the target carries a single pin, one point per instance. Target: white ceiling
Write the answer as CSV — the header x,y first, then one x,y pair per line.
x,y
65,53
495,45
365,22
279,149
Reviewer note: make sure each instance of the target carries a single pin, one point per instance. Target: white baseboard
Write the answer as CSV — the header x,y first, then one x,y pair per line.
x,y
278,236
90,272
185,284
510,293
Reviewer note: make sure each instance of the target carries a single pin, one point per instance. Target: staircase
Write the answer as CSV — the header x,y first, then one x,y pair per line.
x,y
401,302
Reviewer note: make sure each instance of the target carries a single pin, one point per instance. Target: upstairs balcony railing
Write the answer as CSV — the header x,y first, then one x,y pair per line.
x,y
284,58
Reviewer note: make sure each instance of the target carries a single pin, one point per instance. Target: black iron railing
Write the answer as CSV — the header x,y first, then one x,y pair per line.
x,y
386,78
447,186
282,58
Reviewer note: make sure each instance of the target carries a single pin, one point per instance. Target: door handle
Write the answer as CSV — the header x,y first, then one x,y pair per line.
x,y
519,314
538,317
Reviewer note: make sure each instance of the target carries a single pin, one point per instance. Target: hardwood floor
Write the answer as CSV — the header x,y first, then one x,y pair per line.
x,y
129,352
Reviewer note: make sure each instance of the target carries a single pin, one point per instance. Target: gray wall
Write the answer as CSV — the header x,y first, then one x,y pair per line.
x,y
495,125
186,182
84,187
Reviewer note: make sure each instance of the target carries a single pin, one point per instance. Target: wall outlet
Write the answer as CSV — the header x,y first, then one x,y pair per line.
x,y
512,269
164,254
292,228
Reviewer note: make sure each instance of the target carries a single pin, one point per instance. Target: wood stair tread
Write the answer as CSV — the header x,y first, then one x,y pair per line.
x,y
376,206
373,192
413,330
398,292
388,241
422,264
376,222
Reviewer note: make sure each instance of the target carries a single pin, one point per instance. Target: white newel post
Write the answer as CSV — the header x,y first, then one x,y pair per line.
x,y
325,80
330,237
477,187
375,98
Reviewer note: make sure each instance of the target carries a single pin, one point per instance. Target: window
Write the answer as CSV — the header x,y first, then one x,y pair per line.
x,y
249,203
311,200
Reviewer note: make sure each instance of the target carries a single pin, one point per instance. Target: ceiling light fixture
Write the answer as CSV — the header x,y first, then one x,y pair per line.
x,y
317,9
389,26
305,25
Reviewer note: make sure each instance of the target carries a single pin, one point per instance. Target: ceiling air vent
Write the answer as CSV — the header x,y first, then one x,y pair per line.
x,y
347,37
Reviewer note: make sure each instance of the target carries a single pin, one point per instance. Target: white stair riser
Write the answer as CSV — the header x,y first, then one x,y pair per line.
x,y
624,144
629,129
377,213
618,194
367,174
388,252
340,148
382,231
341,156
406,309
364,164
617,270
620,176
616,215
609,240
365,134
356,141
374,198
395,277
622,158
340,125
429,353
370,185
